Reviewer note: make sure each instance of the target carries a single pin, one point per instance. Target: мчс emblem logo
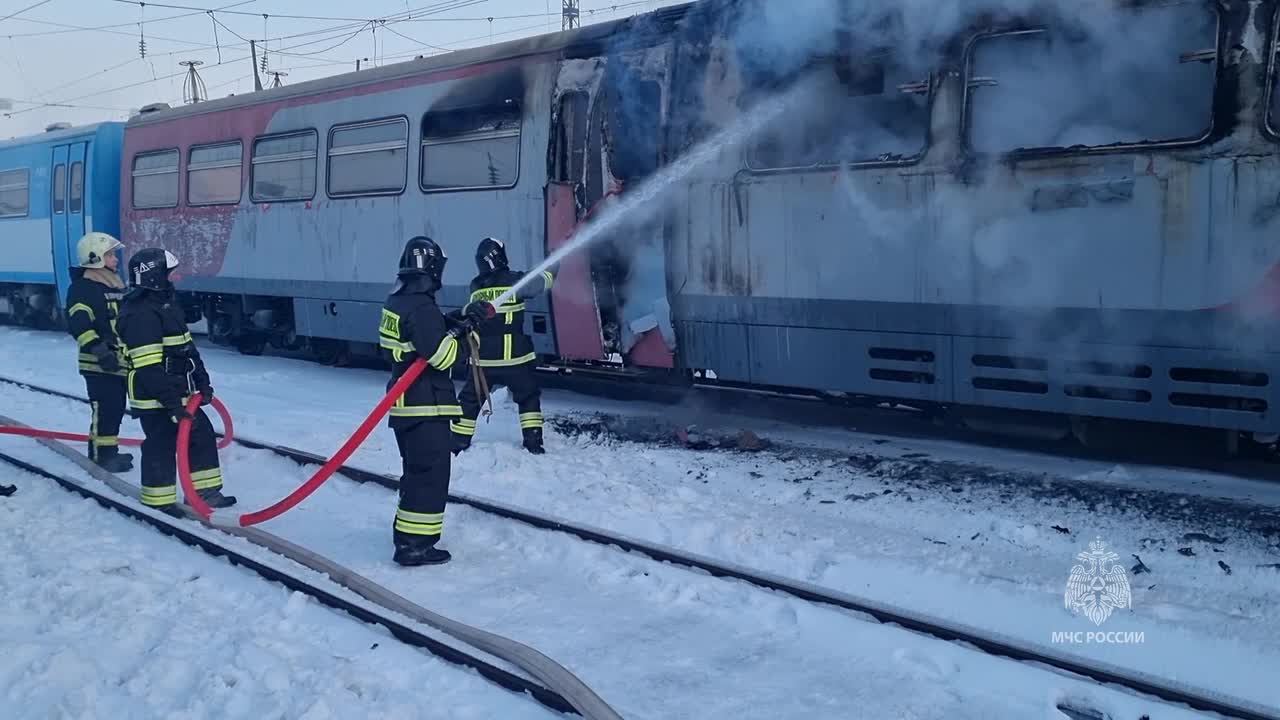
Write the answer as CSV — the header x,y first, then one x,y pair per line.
x,y
1099,585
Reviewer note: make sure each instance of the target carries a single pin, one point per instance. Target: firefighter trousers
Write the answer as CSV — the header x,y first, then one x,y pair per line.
x,y
107,403
424,485
160,459
523,384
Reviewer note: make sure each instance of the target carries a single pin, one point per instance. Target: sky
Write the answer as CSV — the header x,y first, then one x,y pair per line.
x,y
78,61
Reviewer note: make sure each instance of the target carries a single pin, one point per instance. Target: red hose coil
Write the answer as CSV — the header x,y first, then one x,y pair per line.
x,y
310,486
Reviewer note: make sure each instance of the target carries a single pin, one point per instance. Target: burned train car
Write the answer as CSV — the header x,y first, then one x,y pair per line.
x,y
1067,208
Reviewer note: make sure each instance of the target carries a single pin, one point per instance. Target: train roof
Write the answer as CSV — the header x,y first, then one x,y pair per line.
x,y
53,136
582,42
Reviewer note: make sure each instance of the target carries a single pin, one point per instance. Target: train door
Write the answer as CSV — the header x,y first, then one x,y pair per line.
x,y
607,127
67,205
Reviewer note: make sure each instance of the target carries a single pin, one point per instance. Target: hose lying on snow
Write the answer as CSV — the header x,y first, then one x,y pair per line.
x,y
228,431
310,486
539,666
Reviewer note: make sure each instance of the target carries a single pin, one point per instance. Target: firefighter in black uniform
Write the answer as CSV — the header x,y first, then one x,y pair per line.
x,y
93,304
506,352
165,369
412,326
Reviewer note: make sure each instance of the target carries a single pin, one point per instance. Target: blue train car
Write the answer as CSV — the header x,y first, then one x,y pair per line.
x,y
54,188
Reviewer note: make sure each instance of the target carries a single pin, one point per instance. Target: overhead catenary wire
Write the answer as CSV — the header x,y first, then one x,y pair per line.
x,y
413,15
32,6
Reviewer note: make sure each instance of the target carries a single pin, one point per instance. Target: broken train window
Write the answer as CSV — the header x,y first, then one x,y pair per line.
x,y
1130,75
865,110
472,148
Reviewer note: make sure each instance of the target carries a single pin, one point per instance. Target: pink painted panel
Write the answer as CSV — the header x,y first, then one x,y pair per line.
x,y
651,351
573,297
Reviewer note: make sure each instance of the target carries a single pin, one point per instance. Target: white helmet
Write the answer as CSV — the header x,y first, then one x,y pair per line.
x,y
93,248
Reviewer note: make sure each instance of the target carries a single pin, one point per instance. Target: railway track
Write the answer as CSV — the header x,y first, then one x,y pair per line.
x,y
983,641
553,686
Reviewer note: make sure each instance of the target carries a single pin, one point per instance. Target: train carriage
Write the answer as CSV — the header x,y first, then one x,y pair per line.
x,y
1068,215
54,188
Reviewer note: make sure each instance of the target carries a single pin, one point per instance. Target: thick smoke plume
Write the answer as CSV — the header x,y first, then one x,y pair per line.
x,y
1089,73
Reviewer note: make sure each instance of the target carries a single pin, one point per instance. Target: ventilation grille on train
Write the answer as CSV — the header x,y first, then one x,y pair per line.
x,y
1100,380
908,365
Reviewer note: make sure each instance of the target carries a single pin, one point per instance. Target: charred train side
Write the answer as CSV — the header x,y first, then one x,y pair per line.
x,y
1074,212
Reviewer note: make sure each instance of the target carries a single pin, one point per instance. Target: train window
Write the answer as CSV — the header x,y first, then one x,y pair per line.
x,y
75,201
155,180
1140,75
875,111
15,195
284,167
370,158
59,189
475,148
635,122
213,174
571,137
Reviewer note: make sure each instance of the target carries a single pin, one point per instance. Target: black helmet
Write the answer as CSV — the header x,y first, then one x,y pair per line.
x,y
150,267
422,256
491,255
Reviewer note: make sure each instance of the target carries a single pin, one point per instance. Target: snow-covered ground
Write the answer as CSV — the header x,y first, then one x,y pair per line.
x,y
661,642
106,618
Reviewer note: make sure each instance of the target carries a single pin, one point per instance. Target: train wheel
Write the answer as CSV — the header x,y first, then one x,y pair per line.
x,y
252,345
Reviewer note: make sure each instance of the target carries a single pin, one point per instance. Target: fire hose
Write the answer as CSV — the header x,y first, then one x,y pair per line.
x,y
334,463
303,491
228,431
310,486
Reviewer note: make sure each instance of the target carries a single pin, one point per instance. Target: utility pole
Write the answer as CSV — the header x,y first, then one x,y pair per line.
x,y
193,89
569,14
253,62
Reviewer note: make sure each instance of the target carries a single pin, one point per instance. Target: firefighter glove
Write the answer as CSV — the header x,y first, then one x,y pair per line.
x,y
479,311
107,358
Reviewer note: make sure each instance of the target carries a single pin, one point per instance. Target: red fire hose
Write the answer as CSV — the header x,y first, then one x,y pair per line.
x,y
310,486
225,442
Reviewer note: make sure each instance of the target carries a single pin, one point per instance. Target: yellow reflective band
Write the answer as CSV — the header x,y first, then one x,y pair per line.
x,y
548,278
445,354
396,345
506,347
417,529
464,422
137,403
175,340
459,429
86,337
417,517
390,324
145,350
157,496
106,441
507,363
489,294
81,307
530,419
426,411
147,361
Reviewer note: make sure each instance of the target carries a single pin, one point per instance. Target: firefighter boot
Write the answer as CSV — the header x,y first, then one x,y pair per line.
x,y
533,440
114,463
216,499
413,555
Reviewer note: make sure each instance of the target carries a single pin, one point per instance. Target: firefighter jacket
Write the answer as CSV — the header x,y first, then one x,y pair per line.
x,y
164,366
93,305
412,326
503,341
